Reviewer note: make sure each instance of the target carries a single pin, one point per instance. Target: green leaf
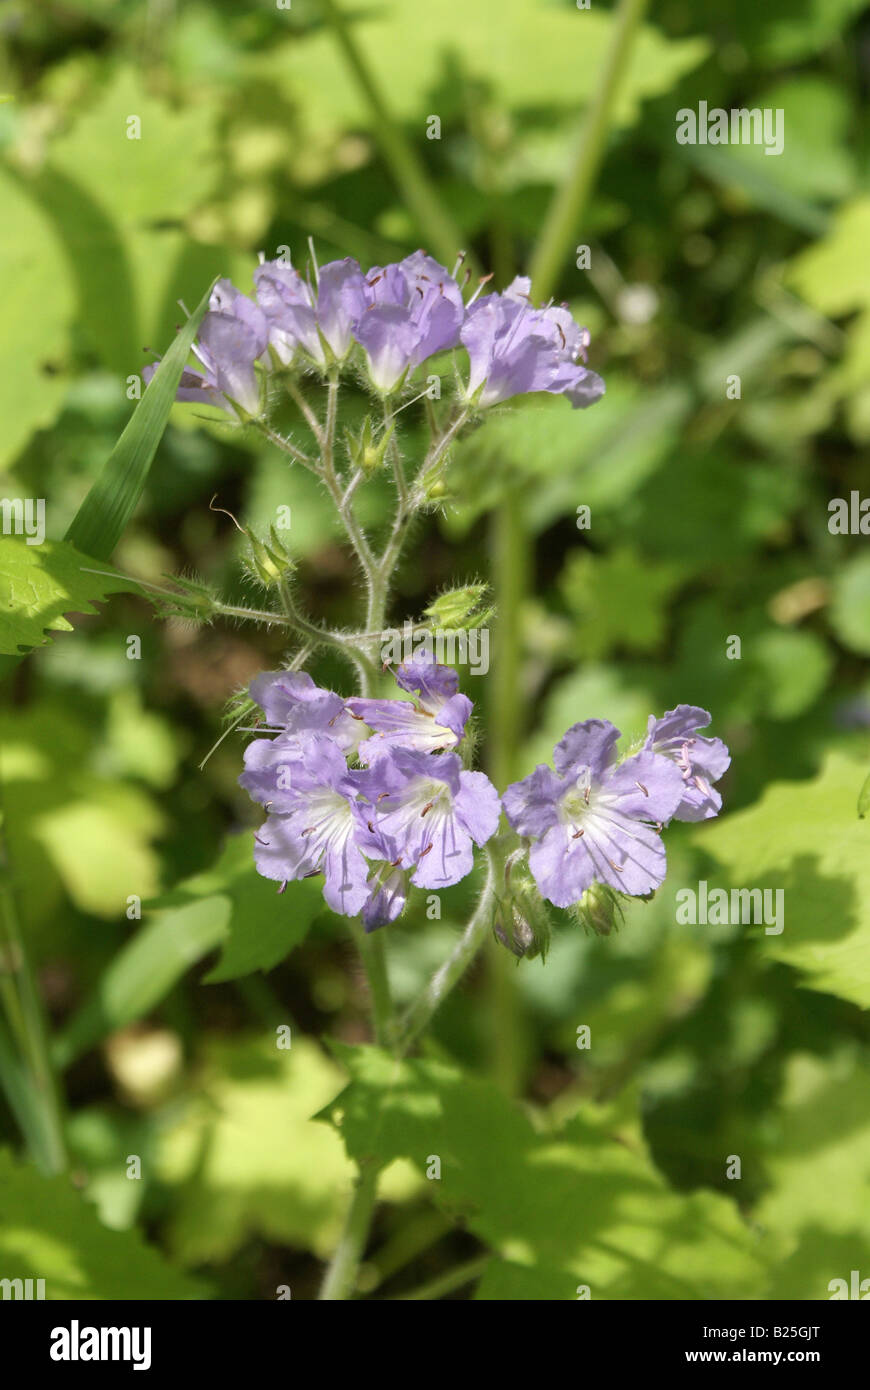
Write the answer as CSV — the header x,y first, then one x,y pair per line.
x,y
620,600
850,604
48,1231
804,838
120,206
408,43
817,1167
100,521
73,823
831,276
791,668
244,1161
144,971
263,926
37,304
584,1200
41,583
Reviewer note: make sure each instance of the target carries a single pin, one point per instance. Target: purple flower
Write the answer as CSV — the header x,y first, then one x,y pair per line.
x,y
292,702
437,719
388,893
413,310
311,827
594,820
318,321
423,814
701,761
232,335
514,348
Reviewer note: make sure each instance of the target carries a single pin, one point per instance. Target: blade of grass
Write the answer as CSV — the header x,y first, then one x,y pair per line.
x,y
100,521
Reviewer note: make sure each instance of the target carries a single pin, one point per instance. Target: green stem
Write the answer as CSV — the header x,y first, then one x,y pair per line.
x,y
512,564
398,152
566,210
455,1278
340,1279
450,973
32,1087
374,959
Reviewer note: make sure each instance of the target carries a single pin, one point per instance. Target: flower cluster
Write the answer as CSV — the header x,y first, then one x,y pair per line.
x,y
370,793
392,319
598,820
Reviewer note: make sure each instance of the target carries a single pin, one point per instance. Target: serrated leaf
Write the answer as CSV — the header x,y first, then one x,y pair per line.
x,y
584,1200
39,584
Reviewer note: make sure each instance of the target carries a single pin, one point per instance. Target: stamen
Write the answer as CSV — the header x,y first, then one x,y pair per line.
x,y
642,787
282,887
577,834
426,851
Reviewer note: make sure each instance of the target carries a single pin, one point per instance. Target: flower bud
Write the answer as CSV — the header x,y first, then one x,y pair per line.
x,y
271,563
366,452
463,607
522,922
599,910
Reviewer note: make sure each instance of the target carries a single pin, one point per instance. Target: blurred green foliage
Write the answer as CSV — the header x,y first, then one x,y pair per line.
x,y
709,521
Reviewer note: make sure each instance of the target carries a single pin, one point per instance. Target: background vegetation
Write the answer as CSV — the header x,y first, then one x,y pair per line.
x,y
709,520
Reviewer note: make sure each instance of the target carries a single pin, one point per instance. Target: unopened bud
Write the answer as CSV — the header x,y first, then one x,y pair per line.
x,y
522,922
599,910
463,607
365,451
271,563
